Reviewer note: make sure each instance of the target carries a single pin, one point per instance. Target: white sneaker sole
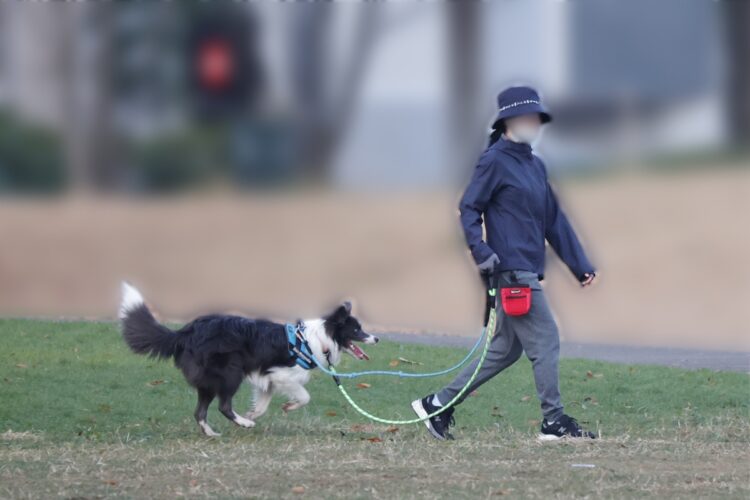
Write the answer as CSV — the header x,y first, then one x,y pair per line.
x,y
552,437
549,437
416,405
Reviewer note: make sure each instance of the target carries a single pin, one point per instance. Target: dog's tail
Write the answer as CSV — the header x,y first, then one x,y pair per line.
x,y
142,333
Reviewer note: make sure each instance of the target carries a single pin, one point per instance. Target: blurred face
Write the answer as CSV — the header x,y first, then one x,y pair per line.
x,y
524,128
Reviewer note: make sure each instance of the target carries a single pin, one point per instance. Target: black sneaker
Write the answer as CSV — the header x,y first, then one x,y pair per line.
x,y
564,426
437,425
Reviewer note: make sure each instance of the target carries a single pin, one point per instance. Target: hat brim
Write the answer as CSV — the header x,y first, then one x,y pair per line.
x,y
525,109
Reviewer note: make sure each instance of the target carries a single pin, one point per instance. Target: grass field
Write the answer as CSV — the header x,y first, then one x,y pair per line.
x,y
82,417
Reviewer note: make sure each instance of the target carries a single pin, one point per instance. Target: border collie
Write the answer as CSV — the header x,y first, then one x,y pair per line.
x,y
217,352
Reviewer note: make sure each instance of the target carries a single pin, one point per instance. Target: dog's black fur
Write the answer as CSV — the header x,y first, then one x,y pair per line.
x,y
216,352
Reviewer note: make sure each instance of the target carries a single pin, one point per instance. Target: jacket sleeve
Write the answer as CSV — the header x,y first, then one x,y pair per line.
x,y
473,204
563,239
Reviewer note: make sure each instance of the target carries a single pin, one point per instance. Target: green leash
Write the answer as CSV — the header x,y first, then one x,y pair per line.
x,y
490,332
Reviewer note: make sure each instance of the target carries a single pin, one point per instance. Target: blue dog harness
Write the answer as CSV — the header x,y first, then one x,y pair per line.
x,y
299,349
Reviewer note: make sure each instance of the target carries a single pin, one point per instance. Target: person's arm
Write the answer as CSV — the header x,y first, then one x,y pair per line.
x,y
562,237
473,204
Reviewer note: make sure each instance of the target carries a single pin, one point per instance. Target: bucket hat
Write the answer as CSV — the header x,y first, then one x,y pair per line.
x,y
515,101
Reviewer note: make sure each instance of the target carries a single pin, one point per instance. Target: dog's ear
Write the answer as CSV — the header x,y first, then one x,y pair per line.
x,y
341,313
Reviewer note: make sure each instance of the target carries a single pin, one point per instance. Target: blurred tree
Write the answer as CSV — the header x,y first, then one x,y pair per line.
x,y
30,157
463,52
324,92
736,21
87,58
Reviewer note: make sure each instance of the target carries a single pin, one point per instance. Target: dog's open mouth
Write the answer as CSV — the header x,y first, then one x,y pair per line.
x,y
355,351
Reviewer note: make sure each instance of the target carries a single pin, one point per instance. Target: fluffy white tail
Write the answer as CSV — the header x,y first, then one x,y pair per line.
x,y
131,299
142,333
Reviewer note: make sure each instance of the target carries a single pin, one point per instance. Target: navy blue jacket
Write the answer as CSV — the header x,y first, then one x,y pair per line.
x,y
510,190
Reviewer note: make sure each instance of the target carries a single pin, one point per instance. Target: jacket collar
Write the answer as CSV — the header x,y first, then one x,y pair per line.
x,y
516,147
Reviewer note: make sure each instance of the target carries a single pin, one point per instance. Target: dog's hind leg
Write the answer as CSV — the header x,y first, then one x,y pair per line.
x,y
261,400
229,388
201,411
298,395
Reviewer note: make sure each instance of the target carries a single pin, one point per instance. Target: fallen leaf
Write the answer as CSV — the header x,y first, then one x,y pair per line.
x,y
155,382
404,360
364,385
331,413
298,490
374,439
110,482
392,428
526,398
474,393
393,363
590,374
502,492
21,365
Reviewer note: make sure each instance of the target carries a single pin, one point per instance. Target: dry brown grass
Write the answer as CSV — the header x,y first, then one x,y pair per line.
x,y
405,464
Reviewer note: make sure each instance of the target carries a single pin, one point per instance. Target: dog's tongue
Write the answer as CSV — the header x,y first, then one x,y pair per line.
x,y
358,352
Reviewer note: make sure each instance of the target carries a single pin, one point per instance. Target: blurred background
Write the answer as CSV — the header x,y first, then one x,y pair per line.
x,y
274,158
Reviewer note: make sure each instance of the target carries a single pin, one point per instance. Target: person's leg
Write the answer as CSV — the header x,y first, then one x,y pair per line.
x,y
505,349
540,338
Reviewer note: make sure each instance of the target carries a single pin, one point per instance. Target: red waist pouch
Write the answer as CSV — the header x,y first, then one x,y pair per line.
x,y
516,299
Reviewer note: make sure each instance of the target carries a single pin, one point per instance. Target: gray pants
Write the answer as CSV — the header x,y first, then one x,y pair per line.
x,y
535,333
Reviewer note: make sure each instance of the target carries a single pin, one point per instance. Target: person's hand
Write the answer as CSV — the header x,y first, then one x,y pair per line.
x,y
588,278
488,266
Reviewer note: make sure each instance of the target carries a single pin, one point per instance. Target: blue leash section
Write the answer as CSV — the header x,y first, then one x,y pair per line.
x,y
400,373
491,282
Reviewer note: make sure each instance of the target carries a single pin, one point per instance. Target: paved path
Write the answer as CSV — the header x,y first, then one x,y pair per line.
x,y
666,356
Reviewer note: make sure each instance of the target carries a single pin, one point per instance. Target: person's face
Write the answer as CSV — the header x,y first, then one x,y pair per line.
x,y
529,120
524,128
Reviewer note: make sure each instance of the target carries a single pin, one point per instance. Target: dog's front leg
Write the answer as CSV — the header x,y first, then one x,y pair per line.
x,y
298,397
261,400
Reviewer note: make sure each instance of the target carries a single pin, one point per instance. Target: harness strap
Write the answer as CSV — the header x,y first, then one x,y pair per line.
x,y
299,349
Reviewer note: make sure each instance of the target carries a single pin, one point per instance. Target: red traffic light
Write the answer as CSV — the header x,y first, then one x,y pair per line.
x,y
215,63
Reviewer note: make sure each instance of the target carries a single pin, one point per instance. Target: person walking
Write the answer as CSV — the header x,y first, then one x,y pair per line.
x,y
509,192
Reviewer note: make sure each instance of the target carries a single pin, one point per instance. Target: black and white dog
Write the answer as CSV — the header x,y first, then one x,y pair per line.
x,y
217,352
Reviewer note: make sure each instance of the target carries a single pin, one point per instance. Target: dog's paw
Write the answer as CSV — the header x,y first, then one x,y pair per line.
x,y
243,422
207,430
289,405
252,414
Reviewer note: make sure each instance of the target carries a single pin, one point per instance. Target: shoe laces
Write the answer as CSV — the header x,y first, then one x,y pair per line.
x,y
570,422
570,419
449,416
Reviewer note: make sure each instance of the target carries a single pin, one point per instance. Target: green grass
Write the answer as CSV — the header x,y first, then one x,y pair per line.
x,y
82,416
